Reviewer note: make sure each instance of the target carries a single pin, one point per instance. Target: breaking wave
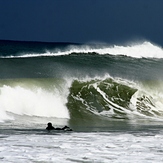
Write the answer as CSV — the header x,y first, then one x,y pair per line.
x,y
80,99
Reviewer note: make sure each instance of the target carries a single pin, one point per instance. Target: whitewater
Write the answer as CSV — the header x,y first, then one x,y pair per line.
x,y
110,95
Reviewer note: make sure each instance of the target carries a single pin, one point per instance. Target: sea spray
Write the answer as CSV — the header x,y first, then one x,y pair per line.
x,y
23,97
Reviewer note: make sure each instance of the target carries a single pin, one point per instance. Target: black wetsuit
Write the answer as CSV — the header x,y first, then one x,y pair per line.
x,y
50,127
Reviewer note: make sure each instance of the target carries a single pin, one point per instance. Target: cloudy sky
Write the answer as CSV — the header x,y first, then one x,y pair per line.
x,y
110,21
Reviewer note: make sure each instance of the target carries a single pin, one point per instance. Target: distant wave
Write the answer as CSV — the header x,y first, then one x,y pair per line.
x,y
142,50
136,50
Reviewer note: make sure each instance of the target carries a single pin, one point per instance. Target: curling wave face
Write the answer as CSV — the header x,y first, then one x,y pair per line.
x,y
114,98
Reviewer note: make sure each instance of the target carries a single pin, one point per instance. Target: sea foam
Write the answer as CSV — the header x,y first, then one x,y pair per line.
x,y
38,102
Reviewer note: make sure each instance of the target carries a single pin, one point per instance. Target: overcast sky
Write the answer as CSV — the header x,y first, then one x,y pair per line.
x,y
110,21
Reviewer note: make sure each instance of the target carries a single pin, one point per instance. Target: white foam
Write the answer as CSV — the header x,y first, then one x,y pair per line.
x,y
36,102
152,99
83,147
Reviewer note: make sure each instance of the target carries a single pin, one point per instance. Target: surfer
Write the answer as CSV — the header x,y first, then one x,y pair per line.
x,y
50,127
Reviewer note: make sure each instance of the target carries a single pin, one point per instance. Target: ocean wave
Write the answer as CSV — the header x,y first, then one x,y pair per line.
x,y
80,99
83,91
136,50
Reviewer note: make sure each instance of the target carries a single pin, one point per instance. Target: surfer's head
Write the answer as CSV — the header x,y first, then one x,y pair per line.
x,y
49,124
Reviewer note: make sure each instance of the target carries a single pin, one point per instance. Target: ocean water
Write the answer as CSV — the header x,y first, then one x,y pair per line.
x,y
110,95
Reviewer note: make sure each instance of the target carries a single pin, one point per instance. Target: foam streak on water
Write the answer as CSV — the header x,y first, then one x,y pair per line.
x,y
82,147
